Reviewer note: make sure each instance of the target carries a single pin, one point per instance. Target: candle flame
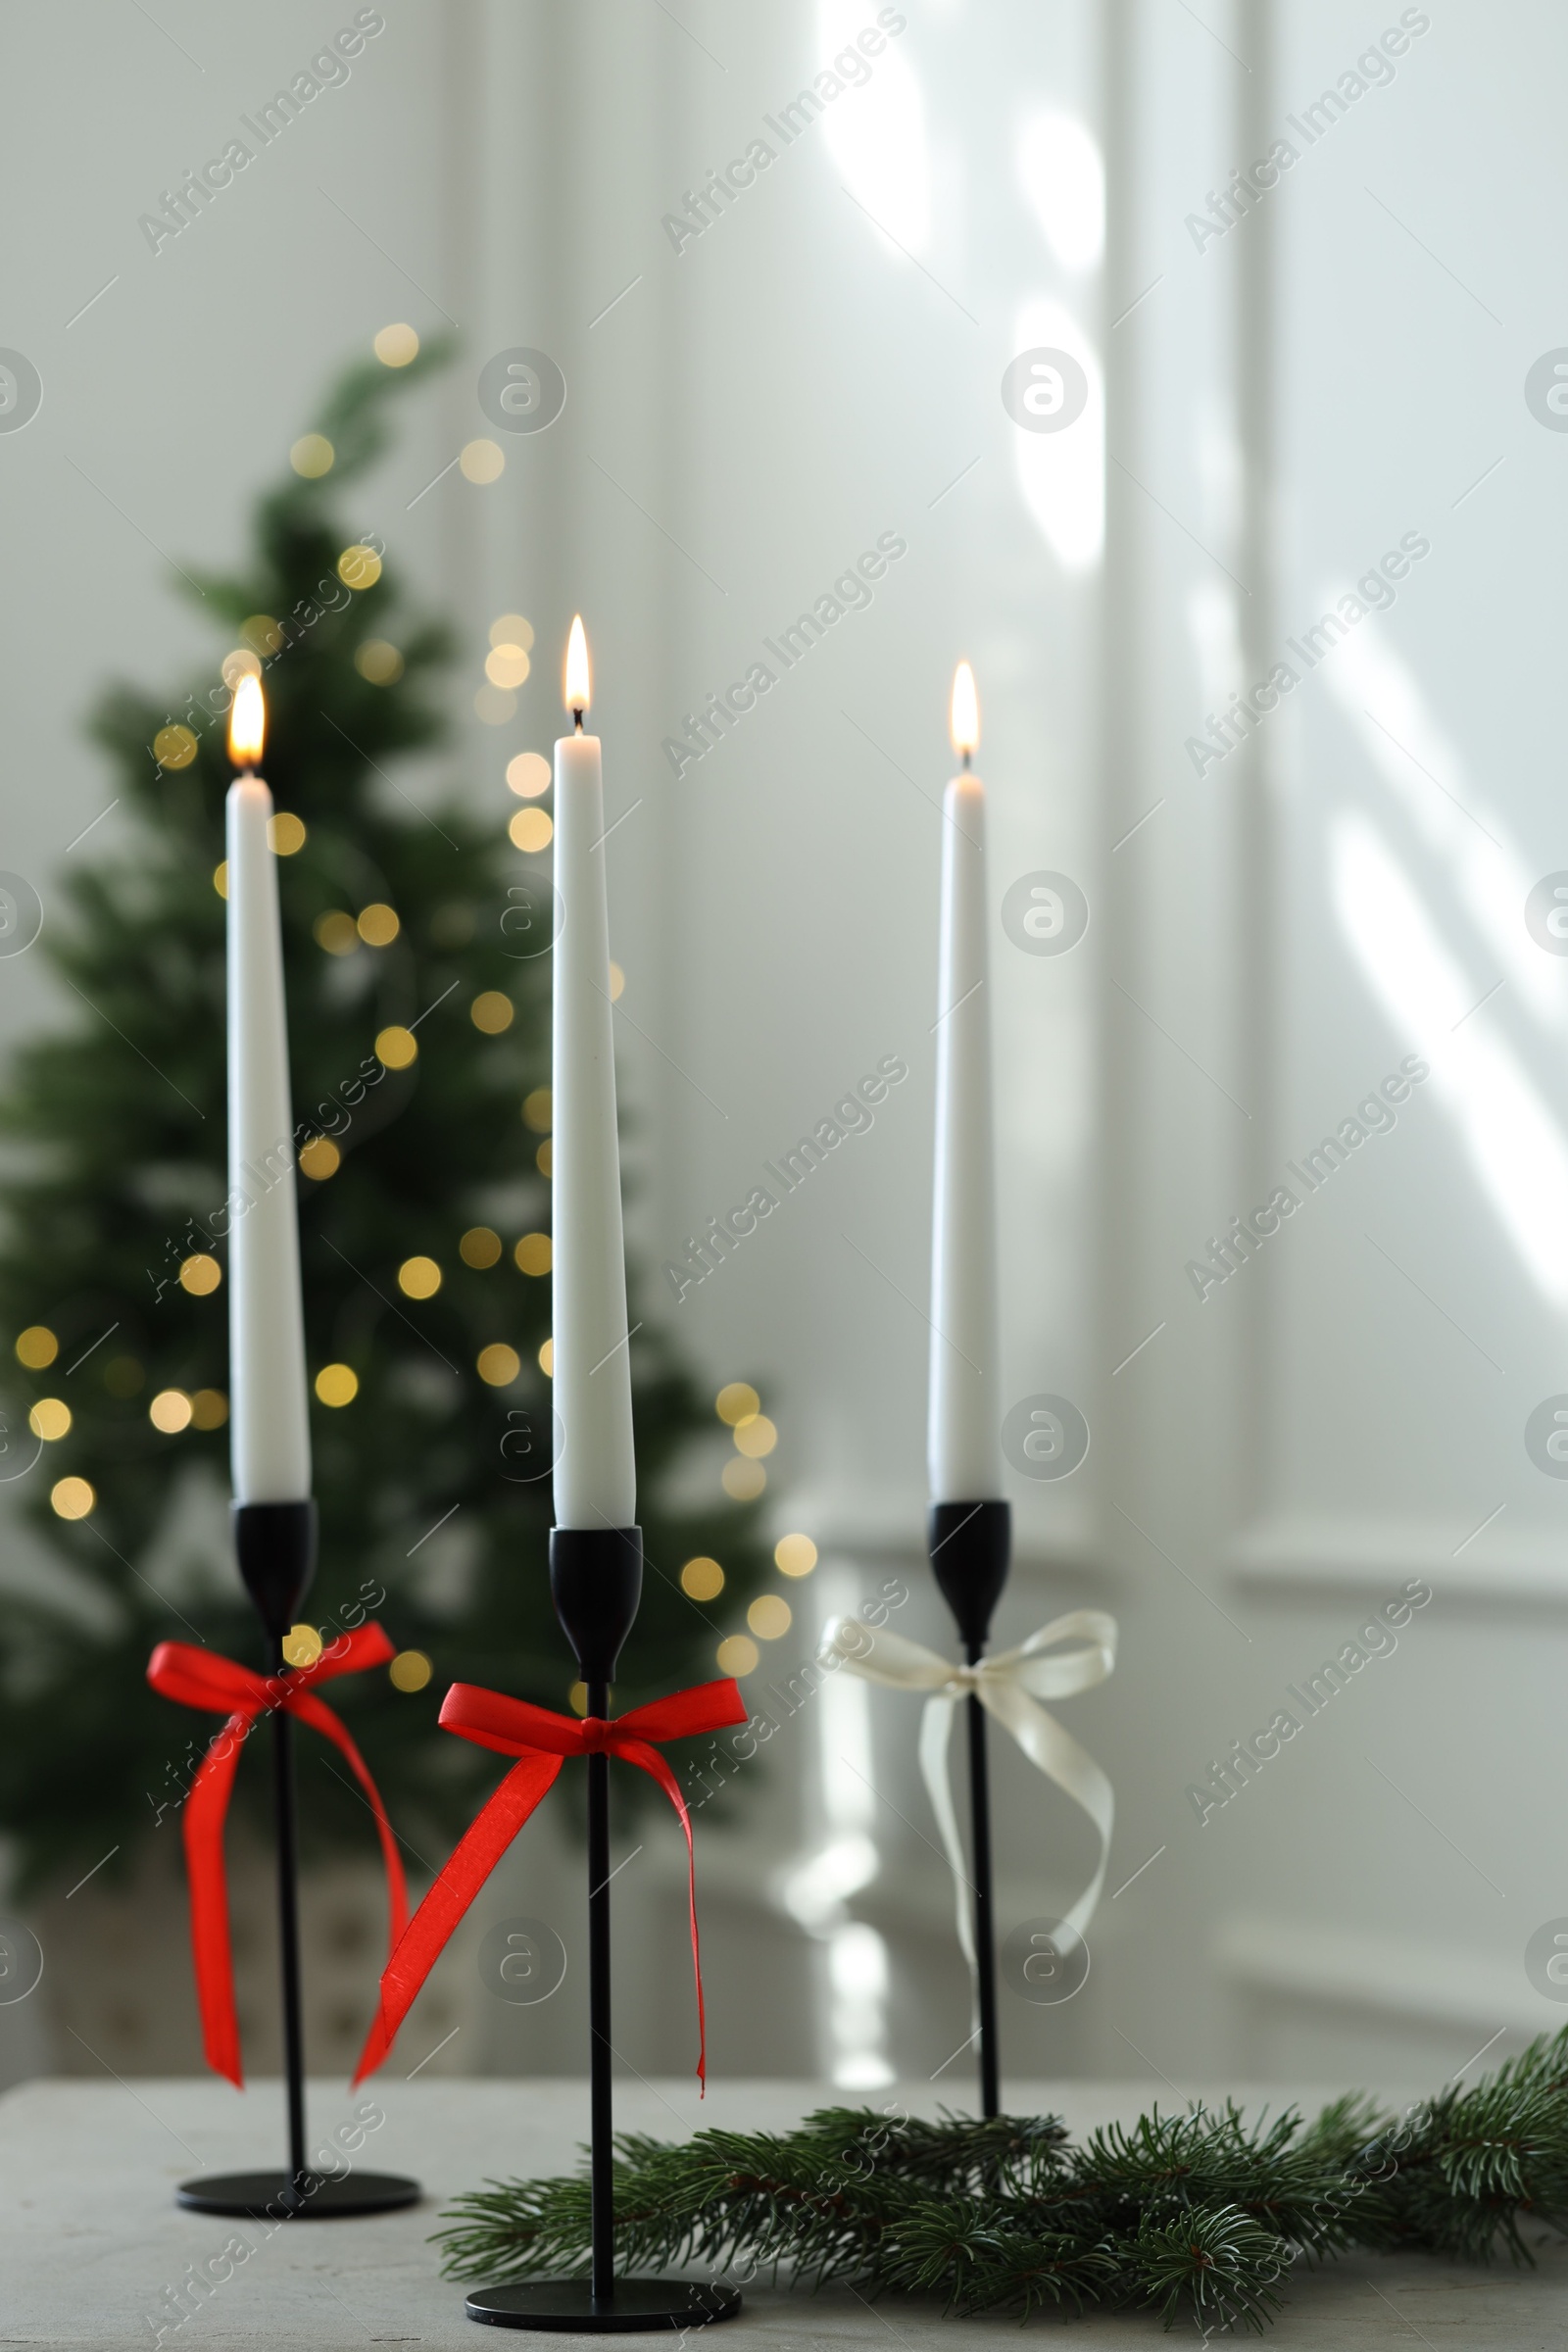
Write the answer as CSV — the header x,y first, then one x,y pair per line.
x,y
247,722
964,718
579,684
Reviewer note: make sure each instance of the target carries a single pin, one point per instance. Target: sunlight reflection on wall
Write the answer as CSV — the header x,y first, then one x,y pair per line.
x,y
1062,176
876,133
1431,997
1063,475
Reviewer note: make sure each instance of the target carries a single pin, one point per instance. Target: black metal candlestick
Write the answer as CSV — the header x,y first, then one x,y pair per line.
x,y
275,1547
971,1546
595,1581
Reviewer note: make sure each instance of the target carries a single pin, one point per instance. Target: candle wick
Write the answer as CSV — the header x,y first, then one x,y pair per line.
x,y
967,756
576,717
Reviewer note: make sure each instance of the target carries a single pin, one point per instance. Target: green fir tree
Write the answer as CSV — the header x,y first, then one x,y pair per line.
x,y
416,947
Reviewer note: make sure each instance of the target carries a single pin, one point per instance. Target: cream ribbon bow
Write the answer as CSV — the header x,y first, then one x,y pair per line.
x,y
1007,1686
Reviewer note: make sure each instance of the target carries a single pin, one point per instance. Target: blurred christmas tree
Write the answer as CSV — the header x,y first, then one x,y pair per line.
x,y
418,980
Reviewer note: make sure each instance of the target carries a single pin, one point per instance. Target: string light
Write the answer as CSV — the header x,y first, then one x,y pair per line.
x,y
378,924
795,1555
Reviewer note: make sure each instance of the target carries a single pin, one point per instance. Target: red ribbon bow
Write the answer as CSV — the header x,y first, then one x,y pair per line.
x,y
542,1741
202,1678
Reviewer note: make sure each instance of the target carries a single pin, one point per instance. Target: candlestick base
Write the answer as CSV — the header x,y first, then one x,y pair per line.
x,y
634,2306
285,2196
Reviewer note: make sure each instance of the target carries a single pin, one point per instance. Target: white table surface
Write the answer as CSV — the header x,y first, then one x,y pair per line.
x,y
91,2236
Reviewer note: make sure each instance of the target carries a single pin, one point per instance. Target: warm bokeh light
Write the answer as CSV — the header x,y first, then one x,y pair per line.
x,y
285,833
736,1401
702,1579
538,1109
617,981
507,666
311,456
544,1159
242,663
964,724
301,1645
534,1253
170,1411
378,924
200,1275
337,1383
741,1481
482,461
579,678
770,1616
480,1247
221,878
247,723
396,1046
320,1158
547,1359
512,628
492,1012
36,1347
531,830
261,633
395,346
418,1277
50,1418
379,662
498,1365
173,746
795,1555
72,1497
528,774
737,1656
755,1436
209,1410
410,1670
359,567
337,932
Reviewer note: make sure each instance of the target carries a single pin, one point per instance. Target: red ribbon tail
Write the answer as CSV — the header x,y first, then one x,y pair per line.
x,y
425,1937
202,1828
637,1751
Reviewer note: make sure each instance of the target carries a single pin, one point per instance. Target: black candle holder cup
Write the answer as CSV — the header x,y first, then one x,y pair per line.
x,y
274,1544
970,1548
595,1581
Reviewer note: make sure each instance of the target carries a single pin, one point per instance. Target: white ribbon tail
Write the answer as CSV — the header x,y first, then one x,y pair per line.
x,y
936,1732
1056,1753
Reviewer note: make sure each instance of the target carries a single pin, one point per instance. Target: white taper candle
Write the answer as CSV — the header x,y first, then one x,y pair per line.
x,y
270,1434
594,1478
963,1444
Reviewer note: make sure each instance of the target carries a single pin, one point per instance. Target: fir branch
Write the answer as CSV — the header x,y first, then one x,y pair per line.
x,y
1200,2214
